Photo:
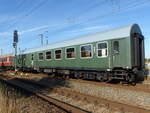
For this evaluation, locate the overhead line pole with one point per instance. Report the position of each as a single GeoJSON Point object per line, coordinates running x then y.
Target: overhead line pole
{"type": "Point", "coordinates": [41, 36]}
{"type": "Point", "coordinates": [46, 37]}
{"type": "Point", "coordinates": [46, 40]}
{"type": "Point", "coordinates": [1, 52]}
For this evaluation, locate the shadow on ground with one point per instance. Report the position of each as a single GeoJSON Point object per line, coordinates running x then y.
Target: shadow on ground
{"type": "Point", "coordinates": [42, 85]}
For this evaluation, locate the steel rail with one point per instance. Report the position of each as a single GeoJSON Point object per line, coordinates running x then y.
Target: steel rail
{"type": "Point", "coordinates": [65, 106]}
{"type": "Point", "coordinates": [109, 103]}
{"type": "Point", "coordinates": [123, 107]}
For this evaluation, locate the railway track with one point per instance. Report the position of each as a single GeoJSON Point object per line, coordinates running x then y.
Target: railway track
{"type": "Point", "coordinates": [90, 99]}
{"type": "Point", "coordinates": [144, 87]}
{"type": "Point", "coordinates": [96, 100]}
{"type": "Point", "coordinates": [139, 87]}
{"type": "Point", "coordinates": [65, 106]}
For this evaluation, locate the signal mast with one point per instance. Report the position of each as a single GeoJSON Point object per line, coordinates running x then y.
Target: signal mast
{"type": "Point", "coordinates": [15, 41]}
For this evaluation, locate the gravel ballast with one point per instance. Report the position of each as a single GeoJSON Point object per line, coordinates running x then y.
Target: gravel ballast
{"type": "Point", "coordinates": [131, 97]}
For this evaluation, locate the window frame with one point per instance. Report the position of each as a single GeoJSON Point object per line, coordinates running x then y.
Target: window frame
{"type": "Point", "coordinates": [38, 56]}
{"type": "Point", "coordinates": [51, 54]}
{"type": "Point", "coordinates": [91, 51]}
{"type": "Point", "coordinates": [99, 49]}
{"type": "Point", "coordinates": [55, 54]}
{"type": "Point", "coordinates": [66, 52]}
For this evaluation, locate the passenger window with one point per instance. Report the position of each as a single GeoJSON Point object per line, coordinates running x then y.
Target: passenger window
{"type": "Point", "coordinates": [41, 57]}
{"type": "Point", "coordinates": [48, 55]}
{"type": "Point", "coordinates": [102, 49]}
{"type": "Point", "coordinates": [116, 47]}
{"type": "Point", "coordinates": [58, 54]}
{"type": "Point", "coordinates": [86, 51]}
{"type": "Point", "coordinates": [70, 52]}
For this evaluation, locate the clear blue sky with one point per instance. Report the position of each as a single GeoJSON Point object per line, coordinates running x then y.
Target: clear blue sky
{"type": "Point", "coordinates": [65, 19]}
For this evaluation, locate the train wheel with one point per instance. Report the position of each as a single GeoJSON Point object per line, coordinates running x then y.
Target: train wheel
{"type": "Point", "coordinates": [132, 80]}
{"type": "Point", "coordinates": [76, 75]}
{"type": "Point", "coordinates": [67, 77]}
{"type": "Point", "coordinates": [100, 78]}
{"type": "Point", "coordinates": [133, 83]}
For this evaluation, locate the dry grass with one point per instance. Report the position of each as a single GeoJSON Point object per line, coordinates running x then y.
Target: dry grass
{"type": "Point", "coordinates": [14, 100]}
{"type": "Point", "coordinates": [8, 100]}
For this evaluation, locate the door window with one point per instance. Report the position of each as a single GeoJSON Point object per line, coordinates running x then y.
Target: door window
{"type": "Point", "coordinates": [41, 57]}
{"type": "Point", "coordinates": [116, 47]}
{"type": "Point", "coordinates": [32, 56]}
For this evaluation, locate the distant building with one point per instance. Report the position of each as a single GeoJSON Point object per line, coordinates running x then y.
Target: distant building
{"type": "Point", "coordinates": [147, 64]}
{"type": "Point", "coordinates": [147, 72]}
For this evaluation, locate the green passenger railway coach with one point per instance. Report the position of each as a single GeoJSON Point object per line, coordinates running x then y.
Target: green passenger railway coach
{"type": "Point", "coordinates": [108, 55]}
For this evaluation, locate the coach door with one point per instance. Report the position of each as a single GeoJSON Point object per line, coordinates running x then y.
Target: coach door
{"type": "Point", "coordinates": [23, 59]}
{"type": "Point", "coordinates": [116, 53]}
{"type": "Point", "coordinates": [32, 60]}
{"type": "Point", "coordinates": [138, 43]}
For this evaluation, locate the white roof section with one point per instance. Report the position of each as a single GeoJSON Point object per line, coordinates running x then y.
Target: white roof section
{"type": "Point", "coordinates": [121, 32]}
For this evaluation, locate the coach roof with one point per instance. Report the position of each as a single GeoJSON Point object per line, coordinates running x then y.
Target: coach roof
{"type": "Point", "coordinates": [121, 32]}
